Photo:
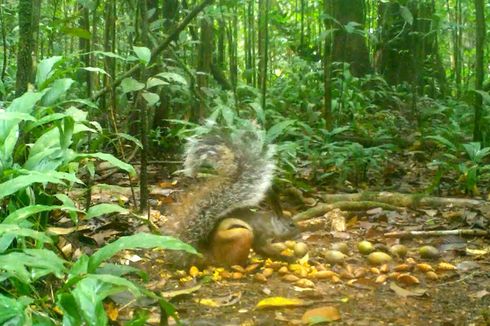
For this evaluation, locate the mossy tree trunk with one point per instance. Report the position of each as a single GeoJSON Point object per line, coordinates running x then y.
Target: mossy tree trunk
{"type": "Point", "coordinates": [24, 52]}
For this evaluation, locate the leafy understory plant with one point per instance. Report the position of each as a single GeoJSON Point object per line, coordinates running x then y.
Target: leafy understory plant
{"type": "Point", "coordinates": [42, 142]}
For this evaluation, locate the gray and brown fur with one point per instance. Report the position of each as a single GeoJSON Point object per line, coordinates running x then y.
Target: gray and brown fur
{"type": "Point", "coordinates": [244, 167]}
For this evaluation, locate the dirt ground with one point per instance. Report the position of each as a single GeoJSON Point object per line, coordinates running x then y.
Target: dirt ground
{"type": "Point", "coordinates": [361, 294]}
{"type": "Point", "coordinates": [451, 287]}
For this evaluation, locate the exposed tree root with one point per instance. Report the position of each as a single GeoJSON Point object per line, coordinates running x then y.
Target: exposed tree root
{"type": "Point", "coordinates": [387, 201]}
{"type": "Point", "coordinates": [423, 234]}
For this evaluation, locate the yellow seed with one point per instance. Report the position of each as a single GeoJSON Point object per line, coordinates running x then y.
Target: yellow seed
{"type": "Point", "coordinates": [290, 278]}
{"type": "Point", "coordinates": [193, 271]}
{"type": "Point", "coordinates": [260, 277]}
{"type": "Point", "coordinates": [403, 268]}
{"type": "Point", "coordinates": [283, 270]}
{"type": "Point", "coordinates": [305, 283]}
{"type": "Point", "coordinates": [325, 274]}
{"type": "Point", "coordinates": [432, 276]}
{"type": "Point", "coordinates": [267, 272]}
{"type": "Point", "coordinates": [238, 268]}
{"type": "Point", "coordinates": [442, 266]}
{"type": "Point", "coordinates": [407, 279]}
{"type": "Point", "coordinates": [424, 267]}
{"type": "Point", "coordinates": [381, 278]}
{"type": "Point", "coordinates": [251, 268]}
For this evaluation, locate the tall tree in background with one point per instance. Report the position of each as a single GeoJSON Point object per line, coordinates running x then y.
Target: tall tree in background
{"type": "Point", "coordinates": [204, 64]}
{"type": "Point", "coordinates": [263, 52]}
{"type": "Point", "coordinates": [408, 45]}
{"type": "Point", "coordinates": [479, 71]}
{"type": "Point", "coordinates": [327, 63]}
{"type": "Point", "coordinates": [84, 44]}
{"type": "Point", "coordinates": [349, 44]}
{"type": "Point", "coordinates": [24, 53]}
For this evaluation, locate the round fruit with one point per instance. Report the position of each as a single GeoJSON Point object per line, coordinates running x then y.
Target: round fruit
{"type": "Point", "coordinates": [365, 247]}
{"type": "Point", "coordinates": [399, 250]}
{"type": "Point", "coordinates": [379, 258]}
{"type": "Point", "coordinates": [428, 252]}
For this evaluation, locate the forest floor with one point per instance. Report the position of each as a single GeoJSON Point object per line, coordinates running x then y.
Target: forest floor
{"type": "Point", "coordinates": [451, 287]}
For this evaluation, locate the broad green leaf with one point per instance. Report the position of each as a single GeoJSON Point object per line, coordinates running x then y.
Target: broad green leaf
{"type": "Point", "coordinates": [121, 270]}
{"type": "Point", "coordinates": [278, 129]}
{"type": "Point", "coordinates": [111, 159]}
{"type": "Point", "coordinates": [102, 209]}
{"type": "Point", "coordinates": [151, 98]}
{"type": "Point", "coordinates": [143, 53]}
{"type": "Point", "coordinates": [17, 231]}
{"type": "Point", "coordinates": [18, 116]}
{"type": "Point", "coordinates": [443, 141]}
{"type": "Point", "coordinates": [484, 95]}
{"type": "Point", "coordinates": [71, 312]}
{"type": "Point", "coordinates": [172, 77]}
{"type": "Point", "coordinates": [22, 104]}
{"type": "Point", "coordinates": [131, 85]}
{"type": "Point", "coordinates": [77, 32]}
{"type": "Point", "coordinates": [88, 103]}
{"type": "Point", "coordinates": [133, 139]}
{"type": "Point", "coordinates": [152, 82]}
{"type": "Point", "coordinates": [137, 241]}
{"type": "Point", "coordinates": [32, 264]}
{"type": "Point", "coordinates": [406, 15]}
{"type": "Point", "coordinates": [110, 55]}
{"type": "Point", "coordinates": [44, 69]}
{"type": "Point", "coordinates": [13, 185]}
{"type": "Point", "coordinates": [24, 212]}
{"type": "Point", "coordinates": [13, 311]}
{"type": "Point", "coordinates": [46, 119]}
{"type": "Point", "coordinates": [97, 70]}
{"type": "Point", "coordinates": [57, 90]}
{"type": "Point", "coordinates": [90, 292]}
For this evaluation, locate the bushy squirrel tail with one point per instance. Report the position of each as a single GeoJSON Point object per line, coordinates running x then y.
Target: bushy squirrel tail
{"type": "Point", "coordinates": [244, 168]}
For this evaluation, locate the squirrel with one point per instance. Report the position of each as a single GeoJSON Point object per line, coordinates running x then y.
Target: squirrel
{"type": "Point", "coordinates": [215, 215]}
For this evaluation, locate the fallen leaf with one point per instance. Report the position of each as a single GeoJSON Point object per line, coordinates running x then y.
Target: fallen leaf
{"type": "Point", "coordinates": [407, 293]}
{"type": "Point", "coordinates": [279, 302]}
{"type": "Point", "coordinates": [320, 315]}
{"type": "Point", "coordinates": [173, 294]}
{"type": "Point", "coordinates": [227, 300]}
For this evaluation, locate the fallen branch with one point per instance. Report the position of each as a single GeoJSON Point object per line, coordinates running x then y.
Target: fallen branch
{"type": "Point", "coordinates": [405, 200]}
{"type": "Point", "coordinates": [321, 209]}
{"type": "Point", "coordinates": [424, 234]}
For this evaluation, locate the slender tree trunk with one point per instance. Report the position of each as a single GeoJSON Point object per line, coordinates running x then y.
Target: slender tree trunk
{"type": "Point", "coordinates": [264, 6]}
{"type": "Point", "coordinates": [4, 45]}
{"type": "Point", "coordinates": [459, 47]}
{"type": "Point", "coordinates": [84, 46]}
{"type": "Point", "coordinates": [24, 53]}
{"type": "Point", "coordinates": [36, 14]}
{"type": "Point", "coordinates": [142, 107]}
{"type": "Point", "coordinates": [109, 101]}
{"type": "Point", "coordinates": [204, 64]}
{"type": "Point", "coordinates": [327, 63]}
{"type": "Point", "coordinates": [479, 72]}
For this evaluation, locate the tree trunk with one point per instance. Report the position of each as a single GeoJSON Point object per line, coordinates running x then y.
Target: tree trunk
{"type": "Point", "coordinates": [142, 108]}
{"type": "Point", "coordinates": [84, 46]}
{"type": "Point", "coordinates": [327, 63]}
{"type": "Point", "coordinates": [348, 46]}
{"type": "Point", "coordinates": [479, 72]}
{"type": "Point", "coordinates": [24, 53]}
{"type": "Point", "coordinates": [204, 65]}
